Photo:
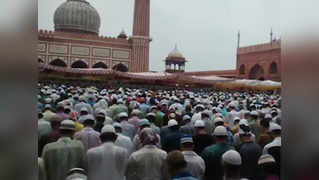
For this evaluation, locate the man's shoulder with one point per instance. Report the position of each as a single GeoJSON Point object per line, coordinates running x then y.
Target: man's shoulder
{"type": "Point", "coordinates": [124, 138]}
{"type": "Point", "coordinates": [210, 148]}
{"type": "Point", "coordinates": [95, 150]}
{"type": "Point", "coordinates": [154, 150]}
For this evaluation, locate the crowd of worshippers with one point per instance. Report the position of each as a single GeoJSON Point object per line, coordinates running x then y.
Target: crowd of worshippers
{"type": "Point", "coordinates": [135, 134]}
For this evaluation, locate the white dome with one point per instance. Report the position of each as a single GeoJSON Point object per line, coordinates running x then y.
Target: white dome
{"type": "Point", "coordinates": [175, 53]}
{"type": "Point", "coordinates": [77, 15]}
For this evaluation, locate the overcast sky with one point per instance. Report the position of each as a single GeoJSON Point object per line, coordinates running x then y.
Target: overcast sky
{"type": "Point", "coordinates": [205, 30]}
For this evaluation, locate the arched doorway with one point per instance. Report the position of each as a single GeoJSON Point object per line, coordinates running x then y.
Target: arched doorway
{"type": "Point", "coordinates": [58, 62]}
{"type": "Point", "coordinates": [120, 67]}
{"type": "Point", "coordinates": [79, 64]}
{"type": "Point", "coordinates": [257, 72]}
{"type": "Point", "coordinates": [242, 69]}
{"type": "Point", "coordinates": [273, 68]}
{"type": "Point", "coordinates": [100, 65]}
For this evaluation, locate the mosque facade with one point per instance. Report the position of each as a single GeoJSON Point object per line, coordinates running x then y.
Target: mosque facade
{"type": "Point", "coordinates": [76, 43]}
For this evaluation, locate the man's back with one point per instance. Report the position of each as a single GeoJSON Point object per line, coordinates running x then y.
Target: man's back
{"type": "Point", "coordinates": [146, 164]}
{"type": "Point", "coordinates": [107, 161]}
{"type": "Point", "coordinates": [188, 129]}
{"type": "Point", "coordinates": [172, 141]}
{"type": "Point", "coordinates": [212, 157]}
{"type": "Point", "coordinates": [124, 142]}
{"type": "Point", "coordinates": [201, 141]}
{"type": "Point", "coordinates": [61, 156]}
{"type": "Point", "coordinates": [89, 138]}
{"type": "Point", "coordinates": [128, 129]}
{"type": "Point", "coordinates": [195, 164]}
{"type": "Point", "coordinates": [250, 153]}
{"type": "Point", "coordinates": [44, 127]}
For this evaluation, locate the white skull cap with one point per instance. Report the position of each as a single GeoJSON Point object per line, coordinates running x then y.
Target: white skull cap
{"type": "Point", "coordinates": [274, 127]}
{"type": "Point", "coordinates": [108, 129]}
{"type": "Point", "coordinates": [67, 125]}
{"type": "Point", "coordinates": [199, 123]}
{"type": "Point", "coordinates": [218, 119]}
{"type": "Point", "coordinates": [220, 131]}
{"type": "Point", "coordinates": [266, 158]}
{"type": "Point", "coordinates": [172, 122]}
{"type": "Point", "coordinates": [232, 157]}
{"type": "Point", "coordinates": [243, 122]}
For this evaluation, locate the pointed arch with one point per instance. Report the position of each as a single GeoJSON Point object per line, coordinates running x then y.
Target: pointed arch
{"type": "Point", "coordinates": [256, 72]}
{"type": "Point", "coordinates": [242, 69]}
{"type": "Point", "coordinates": [100, 65]}
{"type": "Point", "coordinates": [58, 62]}
{"type": "Point", "coordinates": [79, 64]}
{"type": "Point", "coordinates": [273, 68]}
{"type": "Point", "coordinates": [120, 67]}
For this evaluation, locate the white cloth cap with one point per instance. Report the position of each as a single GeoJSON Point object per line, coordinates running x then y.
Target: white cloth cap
{"type": "Point", "coordinates": [186, 117]}
{"type": "Point", "coordinates": [232, 157]}
{"type": "Point", "coordinates": [172, 122]}
{"type": "Point", "coordinates": [199, 123]}
{"type": "Point", "coordinates": [86, 117]}
{"type": "Point", "coordinates": [107, 129]}
{"type": "Point", "coordinates": [199, 105]}
{"type": "Point", "coordinates": [47, 106]}
{"type": "Point", "coordinates": [108, 120]}
{"type": "Point", "coordinates": [236, 118]}
{"type": "Point", "coordinates": [218, 119]}
{"type": "Point", "coordinates": [135, 112]}
{"type": "Point", "coordinates": [67, 125]}
{"type": "Point", "coordinates": [274, 126]}
{"type": "Point", "coordinates": [151, 114]}
{"type": "Point", "coordinates": [101, 111]}
{"type": "Point", "coordinates": [207, 112]}
{"type": "Point", "coordinates": [254, 113]}
{"type": "Point", "coordinates": [268, 116]}
{"type": "Point", "coordinates": [220, 131]}
{"type": "Point", "coordinates": [243, 122]}
{"type": "Point", "coordinates": [266, 158]}
{"type": "Point", "coordinates": [122, 114]}
{"type": "Point", "coordinates": [84, 109]}
{"type": "Point", "coordinates": [116, 124]}
{"type": "Point", "coordinates": [188, 139]}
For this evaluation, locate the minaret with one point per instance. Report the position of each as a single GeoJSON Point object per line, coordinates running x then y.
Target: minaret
{"type": "Point", "coordinates": [140, 38]}
{"type": "Point", "coordinates": [271, 34]}
{"type": "Point", "coordinates": [238, 39]}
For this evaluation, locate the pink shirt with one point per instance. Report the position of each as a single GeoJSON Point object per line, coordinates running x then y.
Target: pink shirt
{"type": "Point", "coordinates": [89, 138]}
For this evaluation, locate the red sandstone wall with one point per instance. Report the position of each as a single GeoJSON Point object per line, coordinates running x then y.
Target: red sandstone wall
{"type": "Point", "coordinates": [262, 58]}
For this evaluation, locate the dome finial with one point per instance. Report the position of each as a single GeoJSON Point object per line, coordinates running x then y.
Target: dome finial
{"type": "Point", "coordinates": [175, 52]}
{"type": "Point", "coordinates": [122, 34]}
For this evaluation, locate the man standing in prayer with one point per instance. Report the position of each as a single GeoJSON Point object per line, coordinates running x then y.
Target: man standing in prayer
{"type": "Point", "coordinates": [107, 161]}
{"type": "Point", "coordinates": [59, 157]}
{"type": "Point", "coordinates": [195, 164]}
{"type": "Point", "coordinates": [148, 162]}
{"type": "Point", "coordinates": [212, 154]}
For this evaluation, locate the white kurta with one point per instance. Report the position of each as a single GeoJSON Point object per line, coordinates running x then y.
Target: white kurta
{"type": "Point", "coordinates": [147, 163]}
{"type": "Point", "coordinates": [124, 142]}
{"type": "Point", "coordinates": [107, 161]}
{"type": "Point", "coordinates": [195, 164]}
